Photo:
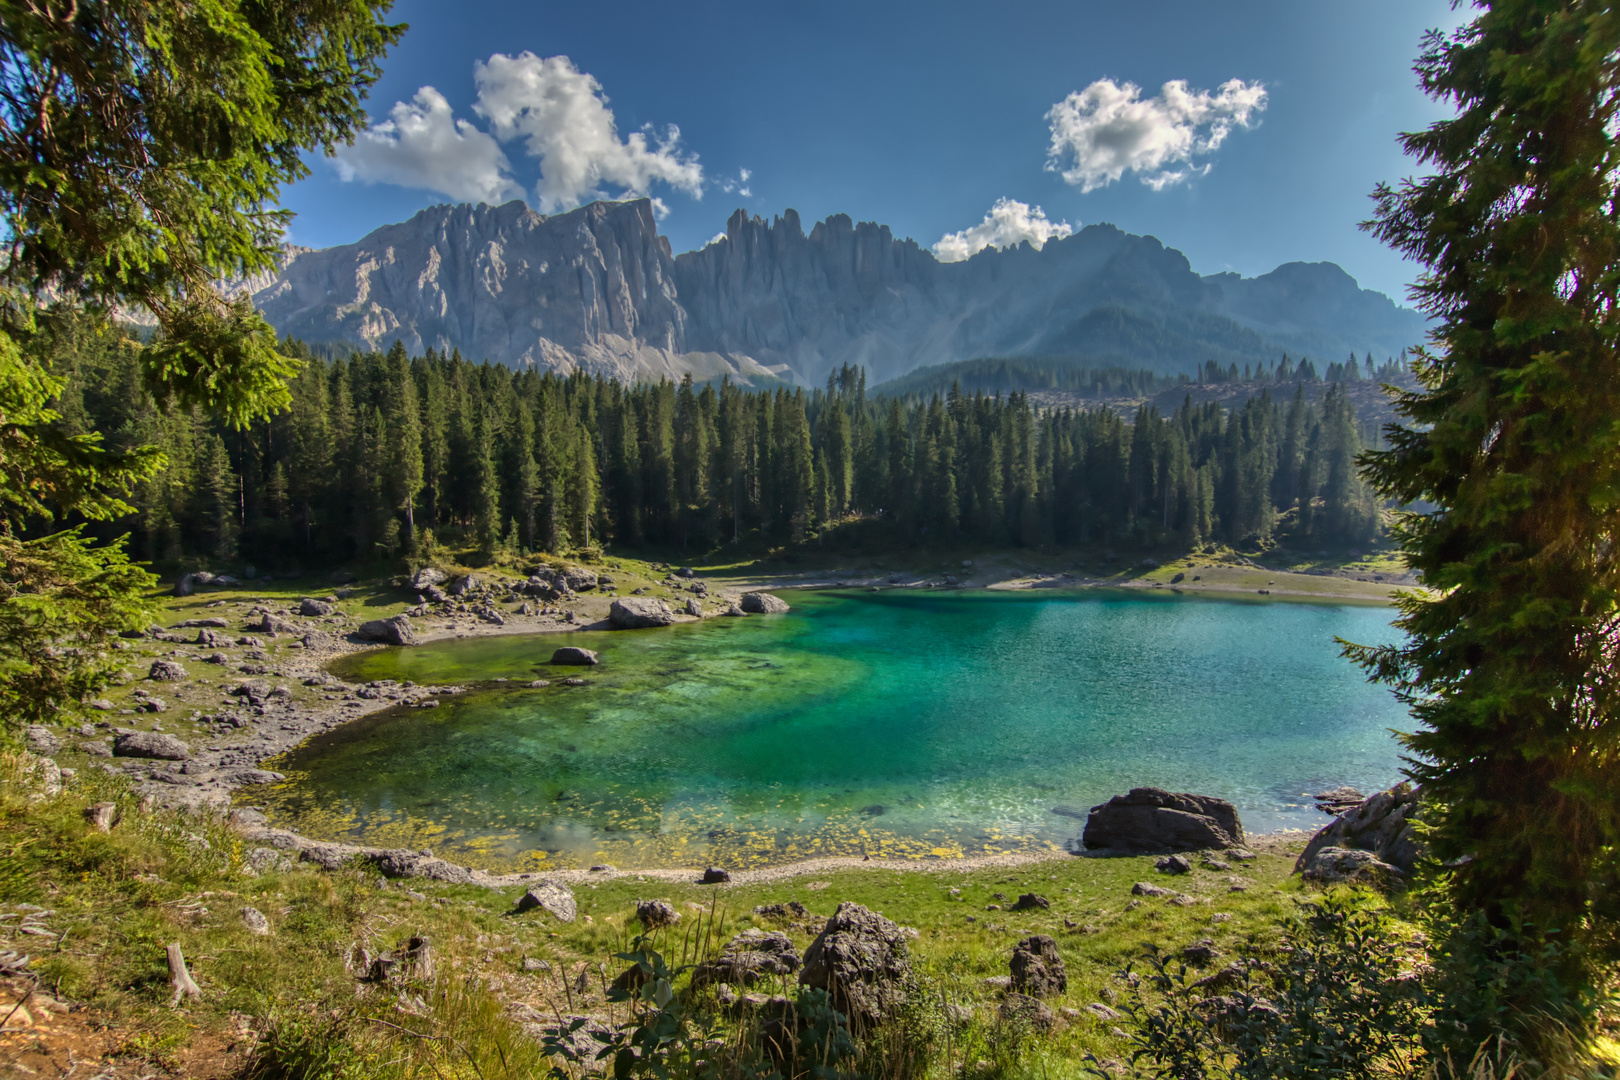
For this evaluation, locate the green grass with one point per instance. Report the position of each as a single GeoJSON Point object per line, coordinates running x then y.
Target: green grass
{"type": "Point", "coordinates": [117, 899]}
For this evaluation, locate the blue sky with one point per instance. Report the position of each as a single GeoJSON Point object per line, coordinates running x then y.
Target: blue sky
{"type": "Point", "coordinates": [917, 115]}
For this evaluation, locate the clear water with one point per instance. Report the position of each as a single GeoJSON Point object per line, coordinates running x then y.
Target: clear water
{"type": "Point", "coordinates": [894, 723]}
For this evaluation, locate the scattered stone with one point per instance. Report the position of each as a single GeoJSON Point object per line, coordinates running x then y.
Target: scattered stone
{"type": "Point", "coordinates": [1037, 969]}
{"type": "Point", "coordinates": [269, 861]}
{"type": "Point", "coordinates": [395, 631]}
{"type": "Point", "coordinates": [531, 964]}
{"type": "Point", "coordinates": [575, 682]}
{"type": "Point", "coordinates": [166, 671]}
{"type": "Point", "coordinates": [1147, 888]}
{"type": "Point", "coordinates": [536, 684]}
{"type": "Point", "coordinates": [426, 576]}
{"type": "Point", "coordinates": [273, 624]}
{"type": "Point", "coordinates": [714, 876]}
{"type": "Point", "coordinates": [1102, 1012]}
{"type": "Point", "coordinates": [1381, 825]}
{"type": "Point", "coordinates": [214, 623]}
{"type": "Point", "coordinates": [256, 923]}
{"type": "Point", "coordinates": [1201, 953]}
{"type": "Point", "coordinates": [1174, 865]}
{"type": "Point", "coordinates": [1152, 820]}
{"type": "Point", "coordinates": [1020, 1009]}
{"type": "Point", "coordinates": [694, 608]}
{"type": "Point", "coordinates": [150, 744]}
{"type": "Point", "coordinates": [639, 613]}
{"type": "Point", "coordinates": [314, 609]}
{"type": "Point", "coordinates": [790, 910]}
{"type": "Point", "coordinates": [1031, 902]}
{"type": "Point", "coordinates": [573, 654]}
{"type": "Point", "coordinates": [552, 897]}
{"type": "Point", "coordinates": [748, 956]}
{"type": "Point", "coordinates": [655, 914]}
{"type": "Point", "coordinates": [41, 740]}
{"type": "Point", "coordinates": [860, 959]}
{"type": "Point", "coordinates": [759, 603]}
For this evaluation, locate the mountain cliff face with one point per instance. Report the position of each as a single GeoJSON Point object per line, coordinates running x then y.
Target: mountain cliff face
{"type": "Point", "coordinates": [598, 289]}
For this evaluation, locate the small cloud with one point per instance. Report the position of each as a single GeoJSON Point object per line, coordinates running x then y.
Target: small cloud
{"type": "Point", "coordinates": [1008, 224]}
{"type": "Point", "coordinates": [1108, 129]}
{"type": "Point", "coordinates": [715, 239]}
{"type": "Point", "coordinates": [739, 185]}
{"type": "Point", "coordinates": [422, 145]}
{"type": "Point", "coordinates": [563, 118]}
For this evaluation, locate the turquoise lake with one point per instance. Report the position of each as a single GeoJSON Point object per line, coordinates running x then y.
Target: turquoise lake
{"type": "Point", "coordinates": [896, 723]}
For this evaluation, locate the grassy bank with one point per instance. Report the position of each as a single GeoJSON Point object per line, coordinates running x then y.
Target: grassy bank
{"type": "Point", "coordinates": [112, 901]}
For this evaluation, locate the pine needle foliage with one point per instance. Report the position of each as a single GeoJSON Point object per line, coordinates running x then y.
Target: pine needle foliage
{"type": "Point", "coordinates": [1513, 436]}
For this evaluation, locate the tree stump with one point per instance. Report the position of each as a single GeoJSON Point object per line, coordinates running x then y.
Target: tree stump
{"type": "Point", "coordinates": [101, 816]}
{"type": "Point", "coordinates": [180, 978]}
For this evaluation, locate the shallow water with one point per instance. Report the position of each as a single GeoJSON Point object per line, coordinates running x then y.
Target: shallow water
{"type": "Point", "coordinates": [895, 723]}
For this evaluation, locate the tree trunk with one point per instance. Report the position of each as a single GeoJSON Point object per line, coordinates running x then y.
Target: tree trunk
{"type": "Point", "coordinates": [180, 978]}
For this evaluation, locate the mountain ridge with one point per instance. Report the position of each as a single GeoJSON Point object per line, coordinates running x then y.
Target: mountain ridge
{"type": "Point", "coordinates": [598, 289]}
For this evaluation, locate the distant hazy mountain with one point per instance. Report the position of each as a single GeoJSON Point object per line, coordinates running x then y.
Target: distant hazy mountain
{"type": "Point", "coordinates": [598, 289]}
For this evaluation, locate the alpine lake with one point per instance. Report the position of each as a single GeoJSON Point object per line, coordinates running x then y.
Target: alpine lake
{"type": "Point", "coordinates": [899, 724]}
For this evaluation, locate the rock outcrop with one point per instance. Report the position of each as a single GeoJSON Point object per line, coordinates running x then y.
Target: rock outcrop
{"type": "Point", "coordinates": [1381, 826]}
{"type": "Point", "coordinates": [763, 603]}
{"type": "Point", "coordinates": [860, 959]}
{"type": "Point", "coordinates": [1150, 820]}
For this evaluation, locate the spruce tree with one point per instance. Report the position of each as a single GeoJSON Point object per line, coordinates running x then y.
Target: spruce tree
{"type": "Point", "coordinates": [1509, 657]}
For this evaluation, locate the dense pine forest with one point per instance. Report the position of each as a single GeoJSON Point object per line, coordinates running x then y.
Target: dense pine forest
{"type": "Point", "coordinates": [380, 454]}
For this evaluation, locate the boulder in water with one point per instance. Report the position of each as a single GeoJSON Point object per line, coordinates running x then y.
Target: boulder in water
{"type": "Point", "coordinates": [574, 655]}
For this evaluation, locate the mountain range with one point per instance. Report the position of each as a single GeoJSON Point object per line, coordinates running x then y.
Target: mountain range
{"type": "Point", "coordinates": [599, 289]}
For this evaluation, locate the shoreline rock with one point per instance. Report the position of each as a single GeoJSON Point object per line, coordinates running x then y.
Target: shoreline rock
{"type": "Point", "coordinates": [1149, 821]}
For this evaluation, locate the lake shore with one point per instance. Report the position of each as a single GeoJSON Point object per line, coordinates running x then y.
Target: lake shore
{"type": "Point", "coordinates": [296, 699]}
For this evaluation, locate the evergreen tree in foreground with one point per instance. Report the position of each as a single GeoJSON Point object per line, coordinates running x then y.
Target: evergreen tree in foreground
{"type": "Point", "coordinates": [1510, 665]}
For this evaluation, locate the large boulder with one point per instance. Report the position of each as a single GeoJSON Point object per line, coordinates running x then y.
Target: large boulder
{"type": "Point", "coordinates": [1337, 866]}
{"type": "Point", "coordinates": [150, 744]}
{"type": "Point", "coordinates": [274, 624]}
{"type": "Point", "coordinates": [41, 740]}
{"type": "Point", "coordinates": [1149, 820]}
{"type": "Point", "coordinates": [577, 578]}
{"type": "Point", "coordinates": [748, 956]}
{"type": "Point", "coordinates": [763, 603]}
{"type": "Point", "coordinates": [639, 612]}
{"type": "Point", "coordinates": [574, 655]}
{"type": "Point", "coordinates": [314, 608]}
{"type": "Point", "coordinates": [395, 631]}
{"type": "Point", "coordinates": [1037, 969]}
{"type": "Point", "coordinates": [428, 575]}
{"type": "Point", "coordinates": [1381, 825]}
{"type": "Point", "coordinates": [166, 671]}
{"type": "Point", "coordinates": [860, 959]}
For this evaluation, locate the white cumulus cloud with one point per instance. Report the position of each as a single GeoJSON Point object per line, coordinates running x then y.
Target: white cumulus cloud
{"type": "Point", "coordinates": [1108, 129]}
{"type": "Point", "coordinates": [1008, 223]}
{"type": "Point", "coordinates": [563, 118]}
{"type": "Point", "coordinates": [422, 145]}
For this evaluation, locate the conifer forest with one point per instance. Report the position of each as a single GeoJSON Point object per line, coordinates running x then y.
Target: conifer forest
{"type": "Point", "coordinates": [381, 452]}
